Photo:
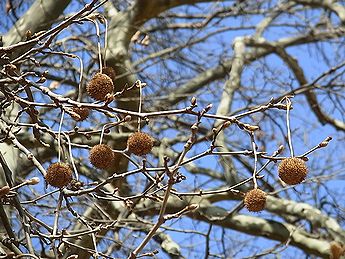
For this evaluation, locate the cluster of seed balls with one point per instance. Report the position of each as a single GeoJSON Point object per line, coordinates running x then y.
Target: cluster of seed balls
{"type": "Point", "coordinates": [139, 143]}
{"type": "Point", "coordinates": [291, 171]}
{"type": "Point", "coordinates": [101, 156]}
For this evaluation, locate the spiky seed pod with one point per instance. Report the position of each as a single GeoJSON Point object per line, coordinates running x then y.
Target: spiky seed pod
{"type": "Point", "coordinates": [82, 112]}
{"type": "Point", "coordinates": [4, 190]}
{"type": "Point", "coordinates": [140, 143]}
{"type": "Point", "coordinates": [59, 174]}
{"type": "Point", "coordinates": [337, 250]}
{"type": "Point", "coordinates": [109, 71]}
{"type": "Point", "coordinates": [292, 170]}
{"type": "Point", "coordinates": [255, 200]}
{"type": "Point", "coordinates": [99, 86]}
{"type": "Point", "coordinates": [101, 156]}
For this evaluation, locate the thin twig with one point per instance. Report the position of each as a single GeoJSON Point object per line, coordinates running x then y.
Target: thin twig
{"type": "Point", "coordinates": [56, 222]}
{"type": "Point", "coordinates": [288, 107]}
{"type": "Point", "coordinates": [59, 136]}
{"type": "Point", "coordinates": [255, 159]}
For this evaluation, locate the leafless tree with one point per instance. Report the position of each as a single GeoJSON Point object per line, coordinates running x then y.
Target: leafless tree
{"type": "Point", "coordinates": [226, 92]}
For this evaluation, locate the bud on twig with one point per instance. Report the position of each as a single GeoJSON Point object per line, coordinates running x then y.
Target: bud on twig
{"type": "Point", "coordinates": [226, 124]}
{"type": "Point", "coordinates": [41, 80]}
{"type": "Point", "coordinates": [325, 142]}
{"type": "Point", "coordinates": [280, 149]}
{"type": "Point", "coordinates": [45, 73]}
{"type": "Point", "coordinates": [101, 19]}
{"type": "Point", "coordinates": [30, 156]}
{"type": "Point", "coordinates": [192, 206]}
{"type": "Point", "coordinates": [193, 101]}
{"type": "Point", "coordinates": [146, 40]}
{"type": "Point", "coordinates": [208, 107]}
{"type": "Point", "coordinates": [33, 181]}
{"type": "Point", "coordinates": [109, 98]}
{"type": "Point", "coordinates": [28, 35]}
{"type": "Point", "coordinates": [194, 127]}
{"type": "Point", "coordinates": [135, 37]}
{"type": "Point", "coordinates": [250, 127]}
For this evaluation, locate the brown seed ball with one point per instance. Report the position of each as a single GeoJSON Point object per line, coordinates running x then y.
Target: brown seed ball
{"type": "Point", "coordinates": [255, 200]}
{"type": "Point", "coordinates": [337, 250]}
{"type": "Point", "coordinates": [109, 71]}
{"type": "Point", "coordinates": [4, 190]}
{"type": "Point", "coordinates": [292, 170]}
{"type": "Point", "coordinates": [101, 156]}
{"type": "Point", "coordinates": [82, 112]}
{"type": "Point", "coordinates": [59, 174]}
{"type": "Point", "coordinates": [99, 86]}
{"type": "Point", "coordinates": [140, 143]}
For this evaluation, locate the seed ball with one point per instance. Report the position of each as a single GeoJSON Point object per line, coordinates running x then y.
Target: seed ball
{"type": "Point", "coordinates": [99, 86]}
{"type": "Point", "coordinates": [101, 156]}
{"type": "Point", "coordinates": [292, 170]}
{"type": "Point", "coordinates": [59, 174]}
{"type": "Point", "coordinates": [4, 190]}
{"type": "Point", "coordinates": [109, 71]}
{"type": "Point", "coordinates": [82, 112]}
{"type": "Point", "coordinates": [337, 250]}
{"type": "Point", "coordinates": [255, 200]}
{"type": "Point", "coordinates": [140, 143]}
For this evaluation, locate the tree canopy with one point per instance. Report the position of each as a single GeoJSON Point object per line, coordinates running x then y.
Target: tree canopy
{"type": "Point", "coordinates": [172, 129]}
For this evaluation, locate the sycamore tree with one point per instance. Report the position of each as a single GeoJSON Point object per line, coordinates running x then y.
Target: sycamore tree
{"type": "Point", "coordinates": [172, 129]}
